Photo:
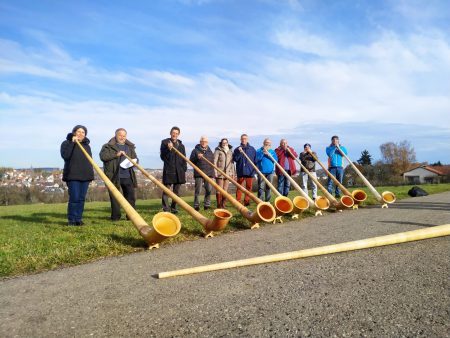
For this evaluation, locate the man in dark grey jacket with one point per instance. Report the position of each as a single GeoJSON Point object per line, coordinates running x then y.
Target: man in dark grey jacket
{"type": "Point", "coordinates": [202, 150]}
{"type": "Point", "coordinates": [174, 170]}
{"type": "Point", "coordinates": [118, 170]}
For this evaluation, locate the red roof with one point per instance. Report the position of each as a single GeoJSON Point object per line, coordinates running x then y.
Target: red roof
{"type": "Point", "coordinates": [441, 170]}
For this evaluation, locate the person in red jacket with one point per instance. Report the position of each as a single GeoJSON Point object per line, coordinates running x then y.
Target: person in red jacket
{"type": "Point", "coordinates": [288, 163]}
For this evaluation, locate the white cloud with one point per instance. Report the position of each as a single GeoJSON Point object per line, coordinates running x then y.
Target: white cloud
{"type": "Point", "coordinates": [382, 81]}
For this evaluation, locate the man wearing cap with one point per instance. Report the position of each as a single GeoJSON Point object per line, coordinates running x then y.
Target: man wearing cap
{"type": "Point", "coordinates": [307, 157]}
{"type": "Point", "coordinates": [119, 170]}
{"type": "Point", "coordinates": [334, 152]}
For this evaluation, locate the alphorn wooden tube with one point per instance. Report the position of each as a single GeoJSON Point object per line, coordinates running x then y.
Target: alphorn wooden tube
{"type": "Point", "coordinates": [164, 223]}
{"type": "Point", "coordinates": [402, 237]}
{"type": "Point", "coordinates": [345, 201]}
{"type": "Point", "coordinates": [283, 205]}
{"type": "Point", "coordinates": [386, 197]}
{"type": "Point", "coordinates": [232, 180]}
{"type": "Point", "coordinates": [321, 202]}
{"type": "Point", "coordinates": [358, 195]}
{"type": "Point", "coordinates": [221, 216]}
{"type": "Point", "coordinates": [264, 211]}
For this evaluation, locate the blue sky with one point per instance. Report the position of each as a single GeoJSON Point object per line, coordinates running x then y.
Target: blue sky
{"type": "Point", "coordinates": [369, 71]}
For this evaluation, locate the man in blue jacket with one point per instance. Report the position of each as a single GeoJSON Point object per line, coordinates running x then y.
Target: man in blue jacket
{"type": "Point", "coordinates": [267, 168]}
{"type": "Point", "coordinates": [244, 170]}
{"type": "Point", "coordinates": [334, 152]}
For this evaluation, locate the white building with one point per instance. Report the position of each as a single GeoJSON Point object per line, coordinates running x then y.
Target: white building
{"type": "Point", "coordinates": [426, 174]}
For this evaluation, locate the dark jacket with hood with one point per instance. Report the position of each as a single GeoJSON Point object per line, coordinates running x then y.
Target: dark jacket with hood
{"type": "Point", "coordinates": [174, 170]}
{"type": "Point", "coordinates": [243, 168]}
{"type": "Point", "coordinates": [76, 165]}
{"type": "Point", "coordinates": [201, 164]}
{"type": "Point", "coordinates": [111, 163]}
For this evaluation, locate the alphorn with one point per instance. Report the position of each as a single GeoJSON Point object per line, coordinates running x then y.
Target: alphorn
{"type": "Point", "coordinates": [402, 237]}
{"type": "Point", "coordinates": [283, 205]}
{"type": "Point", "coordinates": [358, 195]}
{"type": "Point", "coordinates": [221, 216]}
{"type": "Point", "coordinates": [164, 224]}
{"type": "Point", "coordinates": [321, 203]}
{"type": "Point", "coordinates": [232, 180]}
{"type": "Point", "coordinates": [238, 186]}
{"type": "Point", "coordinates": [264, 211]}
{"type": "Point", "coordinates": [385, 198]}
{"type": "Point", "coordinates": [345, 201]}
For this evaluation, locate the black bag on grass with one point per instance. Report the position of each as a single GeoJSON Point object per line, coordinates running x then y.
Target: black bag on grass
{"type": "Point", "coordinates": [417, 192]}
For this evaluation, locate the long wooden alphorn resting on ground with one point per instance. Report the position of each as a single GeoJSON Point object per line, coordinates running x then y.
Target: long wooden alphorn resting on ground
{"type": "Point", "coordinates": [164, 223]}
{"type": "Point", "coordinates": [345, 201]}
{"type": "Point", "coordinates": [358, 195]}
{"type": "Point", "coordinates": [264, 211]}
{"type": "Point", "coordinates": [221, 216]}
{"type": "Point", "coordinates": [321, 202]}
{"type": "Point", "coordinates": [386, 197]}
{"type": "Point", "coordinates": [402, 237]}
{"type": "Point", "coordinates": [283, 205]}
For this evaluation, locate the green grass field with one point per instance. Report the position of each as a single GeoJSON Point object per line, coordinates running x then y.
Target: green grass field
{"type": "Point", "coordinates": [33, 237]}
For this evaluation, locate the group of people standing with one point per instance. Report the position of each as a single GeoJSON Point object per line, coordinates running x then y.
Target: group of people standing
{"type": "Point", "coordinates": [78, 171]}
{"type": "Point", "coordinates": [235, 163]}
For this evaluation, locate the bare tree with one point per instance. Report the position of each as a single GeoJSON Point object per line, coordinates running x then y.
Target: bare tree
{"type": "Point", "coordinates": [399, 155]}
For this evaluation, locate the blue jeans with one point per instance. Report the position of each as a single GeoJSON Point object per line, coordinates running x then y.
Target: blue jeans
{"type": "Point", "coordinates": [337, 172]}
{"type": "Point", "coordinates": [284, 184]}
{"type": "Point", "coordinates": [264, 188]}
{"type": "Point", "coordinates": [77, 196]}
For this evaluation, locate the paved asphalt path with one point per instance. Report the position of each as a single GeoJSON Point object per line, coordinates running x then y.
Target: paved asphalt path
{"type": "Point", "coordinates": [395, 291]}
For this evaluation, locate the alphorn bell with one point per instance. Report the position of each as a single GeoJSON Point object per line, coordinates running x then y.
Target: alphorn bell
{"type": "Point", "coordinates": [164, 224]}
{"type": "Point", "coordinates": [345, 201]}
{"type": "Point", "coordinates": [238, 186]}
{"type": "Point", "coordinates": [358, 195]}
{"type": "Point", "coordinates": [385, 198]}
{"type": "Point", "coordinates": [264, 211]}
{"type": "Point", "coordinates": [283, 205]}
{"type": "Point", "coordinates": [402, 237]}
{"type": "Point", "coordinates": [321, 203]}
{"type": "Point", "coordinates": [221, 216]}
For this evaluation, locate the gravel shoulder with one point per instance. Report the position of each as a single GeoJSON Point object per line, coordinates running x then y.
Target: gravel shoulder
{"type": "Point", "coordinates": [395, 291]}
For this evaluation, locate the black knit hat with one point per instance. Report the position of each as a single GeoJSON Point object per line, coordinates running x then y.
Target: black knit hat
{"type": "Point", "coordinates": [78, 126]}
{"type": "Point", "coordinates": [307, 144]}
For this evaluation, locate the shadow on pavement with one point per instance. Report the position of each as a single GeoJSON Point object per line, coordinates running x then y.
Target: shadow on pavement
{"type": "Point", "coordinates": [410, 223]}
{"type": "Point", "coordinates": [422, 205]}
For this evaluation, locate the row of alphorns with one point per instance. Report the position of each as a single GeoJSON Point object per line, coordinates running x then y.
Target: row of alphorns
{"type": "Point", "coordinates": [167, 225]}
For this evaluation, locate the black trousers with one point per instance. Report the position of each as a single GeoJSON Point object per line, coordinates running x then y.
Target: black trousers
{"type": "Point", "coordinates": [126, 184]}
{"type": "Point", "coordinates": [165, 197]}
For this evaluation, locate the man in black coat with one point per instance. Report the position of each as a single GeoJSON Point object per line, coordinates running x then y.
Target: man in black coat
{"type": "Point", "coordinates": [202, 150]}
{"type": "Point", "coordinates": [119, 170]}
{"type": "Point", "coordinates": [174, 170]}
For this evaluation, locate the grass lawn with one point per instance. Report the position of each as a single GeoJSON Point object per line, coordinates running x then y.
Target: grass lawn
{"type": "Point", "coordinates": [33, 237]}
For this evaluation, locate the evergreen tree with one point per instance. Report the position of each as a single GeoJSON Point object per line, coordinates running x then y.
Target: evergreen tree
{"type": "Point", "coordinates": [366, 158]}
